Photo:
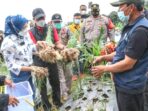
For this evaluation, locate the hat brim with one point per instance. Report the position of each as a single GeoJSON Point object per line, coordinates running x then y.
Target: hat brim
{"type": "Point", "coordinates": [39, 16]}
{"type": "Point", "coordinates": [117, 4]}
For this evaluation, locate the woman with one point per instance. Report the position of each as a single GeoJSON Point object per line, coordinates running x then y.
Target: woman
{"type": "Point", "coordinates": [17, 49]}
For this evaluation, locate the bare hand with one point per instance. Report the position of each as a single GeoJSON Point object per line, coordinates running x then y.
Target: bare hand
{"type": "Point", "coordinates": [98, 59]}
{"type": "Point", "coordinates": [97, 71]}
{"type": "Point", "coordinates": [13, 101]}
{"type": "Point", "coordinates": [42, 45]}
{"type": "Point", "coordinates": [9, 82]}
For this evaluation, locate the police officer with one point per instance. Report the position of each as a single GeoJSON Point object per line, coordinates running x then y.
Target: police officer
{"type": "Point", "coordinates": [91, 27]}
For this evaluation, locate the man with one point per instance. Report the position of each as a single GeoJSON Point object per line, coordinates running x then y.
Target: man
{"type": "Point", "coordinates": [5, 99]}
{"type": "Point", "coordinates": [65, 72]}
{"type": "Point", "coordinates": [75, 36]}
{"type": "Point", "coordinates": [39, 33]}
{"type": "Point", "coordinates": [130, 61]}
{"type": "Point", "coordinates": [90, 31]}
{"type": "Point", "coordinates": [146, 87]}
{"type": "Point", "coordinates": [63, 32]}
{"type": "Point", "coordinates": [83, 12]}
{"type": "Point", "coordinates": [75, 26]}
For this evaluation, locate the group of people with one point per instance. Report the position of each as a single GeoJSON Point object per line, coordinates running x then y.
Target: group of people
{"type": "Point", "coordinates": [129, 60]}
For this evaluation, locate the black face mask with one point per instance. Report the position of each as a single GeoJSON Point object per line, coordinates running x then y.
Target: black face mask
{"type": "Point", "coordinates": [95, 13]}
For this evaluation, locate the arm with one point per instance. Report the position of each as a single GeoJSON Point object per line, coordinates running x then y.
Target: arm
{"type": "Point", "coordinates": [4, 100]}
{"type": "Point", "coordinates": [108, 57]}
{"type": "Point", "coordinates": [82, 31]}
{"type": "Point", "coordinates": [111, 30]}
{"type": "Point", "coordinates": [26, 68]}
{"type": "Point", "coordinates": [59, 45]}
{"type": "Point", "coordinates": [133, 53]}
{"type": "Point", "coordinates": [12, 66]}
{"type": "Point", "coordinates": [57, 41]}
{"type": "Point", "coordinates": [2, 80]}
{"type": "Point", "coordinates": [124, 65]}
{"type": "Point", "coordinates": [9, 52]}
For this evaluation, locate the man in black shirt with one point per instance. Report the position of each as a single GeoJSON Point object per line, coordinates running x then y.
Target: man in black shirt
{"type": "Point", "coordinates": [130, 60]}
{"type": "Point", "coordinates": [146, 87]}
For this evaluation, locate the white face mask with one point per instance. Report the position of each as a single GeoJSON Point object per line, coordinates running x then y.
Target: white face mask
{"type": "Point", "coordinates": [23, 32]}
{"type": "Point", "coordinates": [41, 23]}
{"type": "Point", "coordinates": [77, 21]}
{"type": "Point", "coordinates": [83, 12]}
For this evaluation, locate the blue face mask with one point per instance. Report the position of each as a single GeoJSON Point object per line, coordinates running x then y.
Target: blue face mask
{"type": "Point", "coordinates": [123, 17]}
{"type": "Point", "coordinates": [58, 25]}
{"type": "Point", "coordinates": [77, 21]}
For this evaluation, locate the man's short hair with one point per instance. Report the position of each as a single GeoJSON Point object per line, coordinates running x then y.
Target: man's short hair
{"type": "Point", "coordinates": [38, 13]}
{"type": "Point", "coordinates": [77, 14]}
{"type": "Point", "coordinates": [83, 7]}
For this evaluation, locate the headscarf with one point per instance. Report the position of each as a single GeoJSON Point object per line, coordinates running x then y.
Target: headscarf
{"type": "Point", "coordinates": [14, 24]}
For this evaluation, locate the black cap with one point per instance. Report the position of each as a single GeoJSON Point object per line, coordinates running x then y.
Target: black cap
{"type": "Point", "coordinates": [38, 13]}
{"type": "Point", "coordinates": [56, 17]}
{"type": "Point", "coordinates": [95, 7]}
{"type": "Point", "coordinates": [120, 2]}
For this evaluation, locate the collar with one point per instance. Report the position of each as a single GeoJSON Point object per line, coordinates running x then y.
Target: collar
{"type": "Point", "coordinates": [137, 20]}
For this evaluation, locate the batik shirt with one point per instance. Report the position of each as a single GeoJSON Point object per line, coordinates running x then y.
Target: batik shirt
{"type": "Point", "coordinates": [17, 55]}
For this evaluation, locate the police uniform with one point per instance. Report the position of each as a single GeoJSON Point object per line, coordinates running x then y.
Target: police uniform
{"type": "Point", "coordinates": [90, 30]}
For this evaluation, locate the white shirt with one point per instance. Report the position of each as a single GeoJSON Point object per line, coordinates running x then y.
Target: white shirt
{"type": "Point", "coordinates": [17, 55]}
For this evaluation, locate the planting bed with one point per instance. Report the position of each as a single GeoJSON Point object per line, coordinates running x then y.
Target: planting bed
{"type": "Point", "coordinates": [95, 95]}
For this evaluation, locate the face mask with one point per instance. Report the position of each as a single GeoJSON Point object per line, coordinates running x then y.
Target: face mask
{"type": "Point", "coordinates": [95, 13]}
{"type": "Point", "coordinates": [123, 17]}
{"type": "Point", "coordinates": [23, 32]}
{"type": "Point", "coordinates": [77, 21]}
{"type": "Point", "coordinates": [40, 23]}
{"type": "Point", "coordinates": [58, 25]}
{"type": "Point", "coordinates": [83, 12]}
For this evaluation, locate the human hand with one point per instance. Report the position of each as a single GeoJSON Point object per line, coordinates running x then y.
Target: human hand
{"type": "Point", "coordinates": [8, 82]}
{"type": "Point", "coordinates": [97, 71]}
{"type": "Point", "coordinates": [98, 59]}
{"type": "Point", "coordinates": [13, 101]}
{"type": "Point", "coordinates": [42, 45]}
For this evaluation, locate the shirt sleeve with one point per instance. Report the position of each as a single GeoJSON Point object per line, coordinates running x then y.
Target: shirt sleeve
{"type": "Point", "coordinates": [4, 99]}
{"type": "Point", "coordinates": [138, 43]}
{"type": "Point", "coordinates": [2, 80]}
{"type": "Point", "coordinates": [55, 35]}
{"type": "Point", "coordinates": [8, 51]}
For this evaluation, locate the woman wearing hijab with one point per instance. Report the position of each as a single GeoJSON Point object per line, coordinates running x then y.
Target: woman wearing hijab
{"type": "Point", "coordinates": [17, 49]}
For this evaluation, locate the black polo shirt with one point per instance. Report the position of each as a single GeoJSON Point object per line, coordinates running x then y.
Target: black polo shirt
{"type": "Point", "coordinates": [138, 43]}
